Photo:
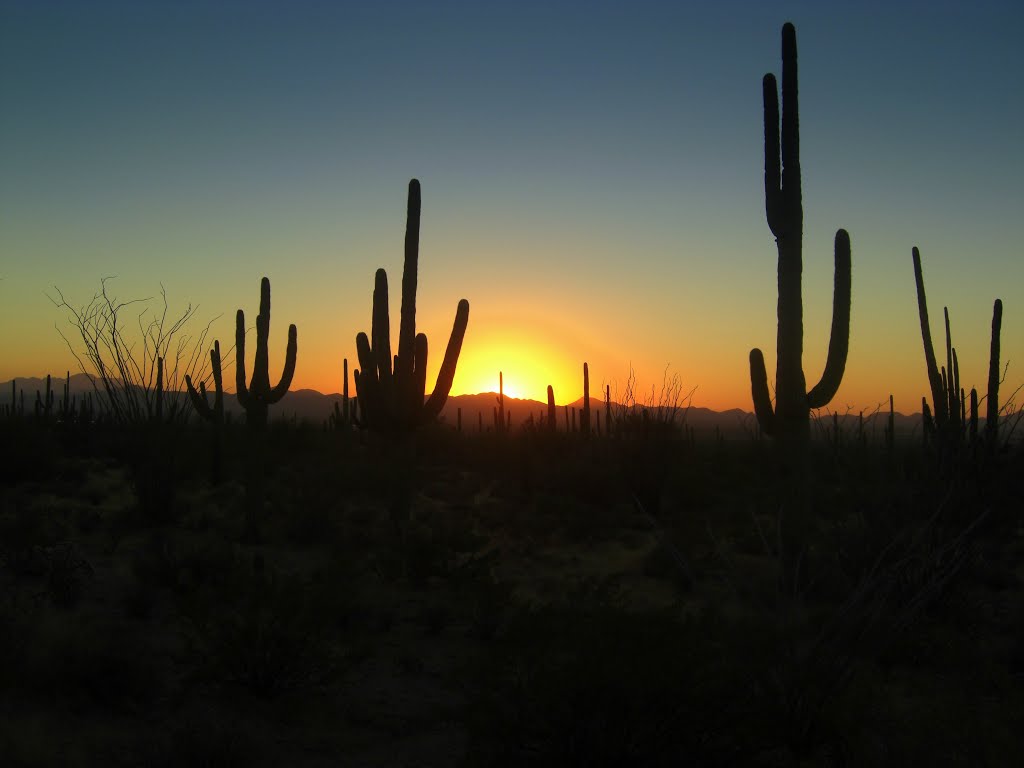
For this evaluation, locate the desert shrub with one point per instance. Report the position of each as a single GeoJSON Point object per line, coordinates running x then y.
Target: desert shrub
{"type": "Point", "coordinates": [67, 575]}
{"type": "Point", "coordinates": [601, 687]}
{"type": "Point", "coordinates": [260, 630]}
{"type": "Point", "coordinates": [179, 563]}
{"type": "Point", "coordinates": [204, 737]}
{"type": "Point", "coordinates": [90, 665]}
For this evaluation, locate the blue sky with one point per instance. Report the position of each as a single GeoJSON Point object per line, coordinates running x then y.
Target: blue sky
{"type": "Point", "coordinates": [592, 177]}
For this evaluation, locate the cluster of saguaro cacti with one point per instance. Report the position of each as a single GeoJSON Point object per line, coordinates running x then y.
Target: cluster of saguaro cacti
{"type": "Point", "coordinates": [391, 390]}
{"type": "Point", "coordinates": [14, 409]}
{"type": "Point", "coordinates": [258, 395]}
{"type": "Point", "coordinates": [46, 409]}
{"type": "Point", "coordinates": [789, 419]}
{"type": "Point", "coordinates": [947, 420]}
{"type": "Point", "coordinates": [213, 413]}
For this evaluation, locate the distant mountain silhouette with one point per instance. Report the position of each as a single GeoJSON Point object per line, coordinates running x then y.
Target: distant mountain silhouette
{"type": "Point", "coordinates": [314, 407]}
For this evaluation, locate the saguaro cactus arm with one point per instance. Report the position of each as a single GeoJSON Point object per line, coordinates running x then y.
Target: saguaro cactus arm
{"type": "Point", "coordinates": [410, 274]}
{"type": "Point", "coordinates": [992, 412]}
{"type": "Point", "coordinates": [839, 340]}
{"type": "Point", "coordinates": [759, 391]}
{"type": "Point", "coordinates": [934, 378]}
{"type": "Point", "coordinates": [291, 353]}
{"type": "Point", "coordinates": [446, 375]}
{"type": "Point", "coordinates": [241, 387]}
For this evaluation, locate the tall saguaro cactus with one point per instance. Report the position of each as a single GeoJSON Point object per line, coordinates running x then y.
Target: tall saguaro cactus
{"type": "Point", "coordinates": [258, 396]}
{"type": "Point", "coordinates": [790, 417]}
{"type": "Point", "coordinates": [392, 398]}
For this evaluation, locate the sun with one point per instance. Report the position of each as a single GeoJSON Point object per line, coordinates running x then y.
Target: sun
{"type": "Point", "coordinates": [527, 365]}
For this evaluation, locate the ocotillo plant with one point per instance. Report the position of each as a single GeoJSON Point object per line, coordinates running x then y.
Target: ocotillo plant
{"type": "Point", "coordinates": [790, 418]}
{"type": "Point", "coordinates": [948, 398]}
{"type": "Point", "coordinates": [258, 396]}
{"type": "Point", "coordinates": [392, 399]}
{"type": "Point", "coordinates": [585, 411]}
{"type": "Point", "coordinates": [214, 413]}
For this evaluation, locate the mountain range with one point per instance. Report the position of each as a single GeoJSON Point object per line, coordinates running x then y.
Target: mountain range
{"type": "Point", "coordinates": [315, 407]}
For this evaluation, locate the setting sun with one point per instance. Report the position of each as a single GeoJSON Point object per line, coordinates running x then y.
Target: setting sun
{"type": "Point", "coordinates": [528, 365]}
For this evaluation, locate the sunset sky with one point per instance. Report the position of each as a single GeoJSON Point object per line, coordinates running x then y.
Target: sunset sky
{"type": "Point", "coordinates": [592, 180]}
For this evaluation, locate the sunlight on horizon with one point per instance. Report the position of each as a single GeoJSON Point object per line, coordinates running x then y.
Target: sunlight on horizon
{"type": "Point", "coordinates": [527, 364]}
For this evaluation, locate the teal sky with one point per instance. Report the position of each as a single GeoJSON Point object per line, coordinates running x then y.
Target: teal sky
{"type": "Point", "coordinates": [592, 178]}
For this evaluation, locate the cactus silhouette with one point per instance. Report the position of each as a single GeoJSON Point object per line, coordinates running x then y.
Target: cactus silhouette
{"type": "Point", "coordinates": [44, 403]}
{"type": "Point", "coordinates": [992, 415]}
{"type": "Point", "coordinates": [499, 409]}
{"type": "Point", "coordinates": [258, 396]}
{"type": "Point", "coordinates": [585, 411]}
{"type": "Point", "coordinates": [790, 417]}
{"type": "Point", "coordinates": [890, 426]}
{"type": "Point", "coordinates": [551, 420]}
{"type": "Point", "coordinates": [949, 401]}
{"type": "Point", "coordinates": [391, 399]}
{"type": "Point", "coordinates": [214, 413]}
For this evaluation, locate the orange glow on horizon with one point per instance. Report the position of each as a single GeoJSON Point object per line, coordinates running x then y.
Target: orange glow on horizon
{"type": "Point", "coordinates": [528, 365]}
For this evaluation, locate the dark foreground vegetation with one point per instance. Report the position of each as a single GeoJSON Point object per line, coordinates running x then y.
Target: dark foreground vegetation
{"type": "Point", "coordinates": [521, 598]}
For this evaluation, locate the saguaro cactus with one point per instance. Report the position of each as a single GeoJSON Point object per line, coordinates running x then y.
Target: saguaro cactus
{"type": "Point", "coordinates": [392, 399]}
{"type": "Point", "coordinates": [551, 409]}
{"type": "Point", "coordinates": [585, 411]}
{"type": "Point", "coordinates": [790, 417]}
{"type": "Point", "coordinates": [258, 396]}
{"type": "Point", "coordinates": [499, 409]}
{"type": "Point", "coordinates": [214, 413]}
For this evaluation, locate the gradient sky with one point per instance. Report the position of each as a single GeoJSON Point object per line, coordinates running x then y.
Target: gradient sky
{"type": "Point", "coordinates": [592, 179]}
